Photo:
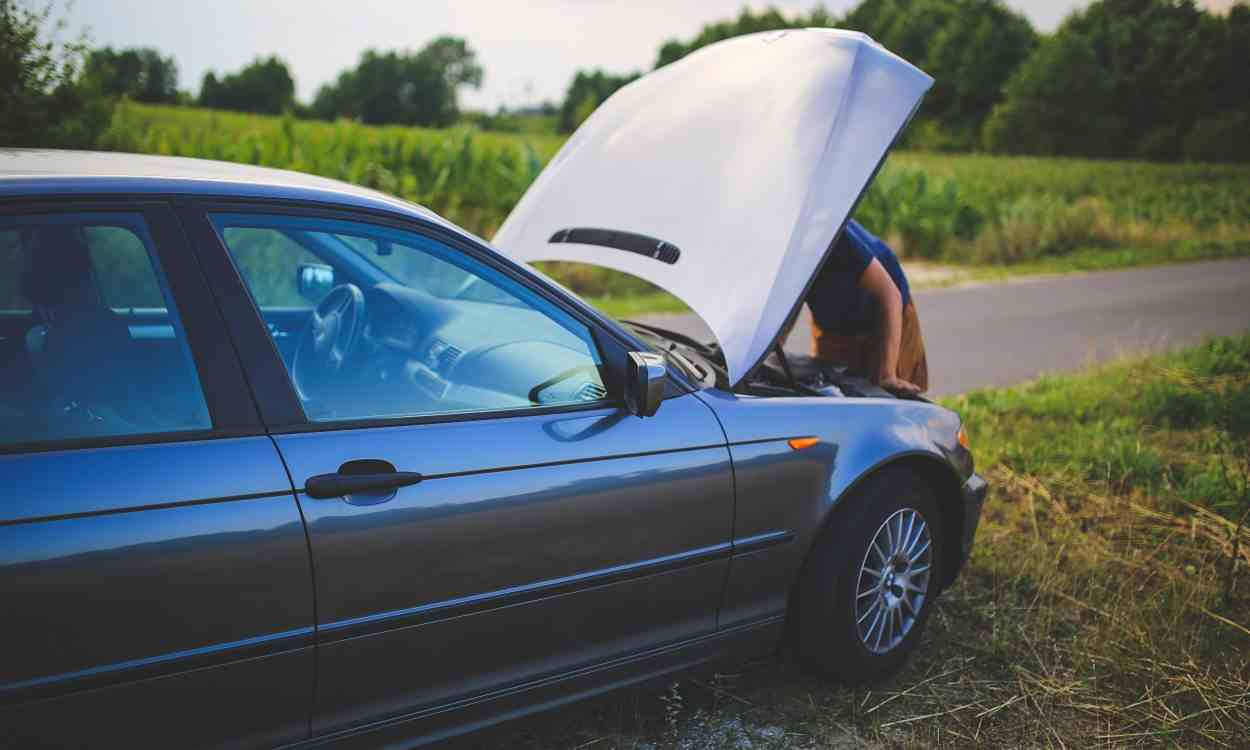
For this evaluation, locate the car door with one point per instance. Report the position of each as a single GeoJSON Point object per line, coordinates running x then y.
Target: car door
{"type": "Point", "coordinates": [155, 588]}
{"type": "Point", "coordinates": [511, 521]}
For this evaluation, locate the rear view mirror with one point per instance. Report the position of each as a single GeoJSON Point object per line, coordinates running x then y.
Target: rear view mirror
{"type": "Point", "coordinates": [314, 281]}
{"type": "Point", "coordinates": [644, 383]}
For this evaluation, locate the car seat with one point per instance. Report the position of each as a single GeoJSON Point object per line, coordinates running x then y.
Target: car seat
{"type": "Point", "coordinates": [80, 350]}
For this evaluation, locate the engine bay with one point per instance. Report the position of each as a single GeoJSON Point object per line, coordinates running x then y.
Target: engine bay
{"type": "Point", "coordinates": [780, 374]}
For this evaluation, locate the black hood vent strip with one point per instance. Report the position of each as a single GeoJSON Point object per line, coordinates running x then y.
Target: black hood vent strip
{"type": "Point", "coordinates": [630, 242]}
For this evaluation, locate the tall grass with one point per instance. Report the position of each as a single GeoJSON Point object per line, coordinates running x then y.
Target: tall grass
{"type": "Point", "coordinates": [471, 177]}
{"type": "Point", "coordinates": [957, 208]}
{"type": "Point", "coordinates": [1005, 210]}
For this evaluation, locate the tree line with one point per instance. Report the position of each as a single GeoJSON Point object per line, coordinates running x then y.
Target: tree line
{"type": "Point", "coordinates": [1139, 79]}
{"type": "Point", "coordinates": [1145, 79]}
{"type": "Point", "coordinates": [55, 93]}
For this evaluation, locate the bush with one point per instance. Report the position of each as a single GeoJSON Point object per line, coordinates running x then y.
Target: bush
{"type": "Point", "coordinates": [1171, 404]}
{"type": "Point", "coordinates": [1206, 387]}
{"type": "Point", "coordinates": [43, 102]}
{"type": "Point", "coordinates": [1219, 138]}
{"type": "Point", "coordinates": [1039, 225]}
{"type": "Point", "coordinates": [1227, 356]}
{"type": "Point", "coordinates": [920, 213]}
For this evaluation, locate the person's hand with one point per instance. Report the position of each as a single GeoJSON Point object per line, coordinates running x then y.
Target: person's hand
{"type": "Point", "coordinates": [899, 387]}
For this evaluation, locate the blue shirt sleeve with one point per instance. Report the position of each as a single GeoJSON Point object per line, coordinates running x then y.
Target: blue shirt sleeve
{"type": "Point", "coordinates": [853, 254]}
{"type": "Point", "coordinates": [836, 301]}
{"type": "Point", "coordinates": [875, 247]}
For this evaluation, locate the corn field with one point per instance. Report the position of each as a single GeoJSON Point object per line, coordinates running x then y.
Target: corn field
{"type": "Point", "coordinates": [962, 208]}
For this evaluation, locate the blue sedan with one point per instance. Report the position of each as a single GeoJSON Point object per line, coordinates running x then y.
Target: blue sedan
{"type": "Point", "coordinates": [287, 462]}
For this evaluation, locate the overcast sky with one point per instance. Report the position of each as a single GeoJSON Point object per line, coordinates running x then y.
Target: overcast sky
{"type": "Point", "coordinates": [528, 48]}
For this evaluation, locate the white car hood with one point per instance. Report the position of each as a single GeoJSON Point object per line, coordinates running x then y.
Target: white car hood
{"type": "Point", "coordinates": [723, 178]}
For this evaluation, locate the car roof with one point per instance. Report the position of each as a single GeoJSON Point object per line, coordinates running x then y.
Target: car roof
{"type": "Point", "coordinates": [49, 172]}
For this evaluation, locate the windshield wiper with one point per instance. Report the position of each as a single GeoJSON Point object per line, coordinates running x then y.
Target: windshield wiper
{"type": "Point", "coordinates": [668, 335]}
{"type": "Point", "coordinates": [670, 348]}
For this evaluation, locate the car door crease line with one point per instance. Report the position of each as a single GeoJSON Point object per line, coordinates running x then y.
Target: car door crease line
{"type": "Point", "coordinates": [143, 508]}
{"type": "Point", "coordinates": [538, 589]}
{"type": "Point", "coordinates": [566, 462]}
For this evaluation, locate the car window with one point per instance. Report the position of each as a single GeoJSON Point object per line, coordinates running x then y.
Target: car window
{"type": "Point", "coordinates": [398, 324]}
{"type": "Point", "coordinates": [11, 299]}
{"type": "Point", "coordinates": [89, 343]}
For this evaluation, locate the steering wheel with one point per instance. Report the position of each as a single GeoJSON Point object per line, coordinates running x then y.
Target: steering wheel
{"type": "Point", "coordinates": [330, 339]}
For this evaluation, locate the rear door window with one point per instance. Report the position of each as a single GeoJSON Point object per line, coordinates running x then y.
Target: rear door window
{"type": "Point", "coordinates": [90, 344]}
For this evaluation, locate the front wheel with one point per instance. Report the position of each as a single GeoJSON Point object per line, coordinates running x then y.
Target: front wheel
{"type": "Point", "coordinates": [870, 582]}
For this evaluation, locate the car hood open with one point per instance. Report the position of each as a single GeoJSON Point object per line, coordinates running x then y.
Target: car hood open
{"type": "Point", "coordinates": [724, 178]}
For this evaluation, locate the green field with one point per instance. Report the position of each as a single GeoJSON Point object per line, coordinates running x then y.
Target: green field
{"type": "Point", "coordinates": [469, 176]}
{"type": "Point", "coordinates": [1006, 214]}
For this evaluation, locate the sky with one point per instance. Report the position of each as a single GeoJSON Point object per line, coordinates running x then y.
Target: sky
{"type": "Point", "coordinates": [529, 49]}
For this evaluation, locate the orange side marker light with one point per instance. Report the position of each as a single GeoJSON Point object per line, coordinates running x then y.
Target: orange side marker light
{"type": "Point", "coordinates": [799, 444]}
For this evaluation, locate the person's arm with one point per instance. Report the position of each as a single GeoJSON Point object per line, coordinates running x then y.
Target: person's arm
{"type": "Point", "coordinates": [877, 282]}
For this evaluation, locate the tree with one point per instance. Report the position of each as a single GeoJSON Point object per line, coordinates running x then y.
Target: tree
{"type": "Point", "coordinates": [265, 86]}
{"type": "Point", "coordinates": [141, 74]}
{"type": "Point", "coordinates": [42, 100]}
{"type": "Point", "coordinates": [1155, 79]}
{"type": "Point", "coordinates": [587, 91]}
{"type": "Point", "coordinates": [747, 22]}
{"type": "Point", "coordinates": [400, 87]}
{"type": "Point", "coordinates": [1059, 102]}
{"type": "Point", "coordinates": [971, 57]}
{"type": "Point", "coordinates": [970, 47]}
{"type": "Point", "coordinates": [458, 64]}
{"type": "Point", "coordinates": [590, 88]}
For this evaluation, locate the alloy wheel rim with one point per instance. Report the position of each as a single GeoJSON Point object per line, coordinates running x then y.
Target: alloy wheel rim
{"type": "Point", "coordinates": [893, 580]}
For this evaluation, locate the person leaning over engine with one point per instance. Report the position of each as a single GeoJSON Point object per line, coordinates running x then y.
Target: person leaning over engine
{"type": "Point", "coordinates": [863, 316]}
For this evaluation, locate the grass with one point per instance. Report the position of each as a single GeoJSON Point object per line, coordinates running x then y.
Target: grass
{"type": "Point", "coordinates": [631, 306]}
{"type": "Point", "coordinates": [1200, 195]}
{"type": "Point", "coordinates": [1107, 602]}
{"type": "Point", "coordinates": [1082, 261]}
{"type": "Point", "coordinates": [1112, 259]}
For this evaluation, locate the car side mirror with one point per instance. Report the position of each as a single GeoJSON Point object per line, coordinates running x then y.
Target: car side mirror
{"type": "Point", "coordinates": [314, 281]}
{"type": "Point", "coordinates": [645, 376]}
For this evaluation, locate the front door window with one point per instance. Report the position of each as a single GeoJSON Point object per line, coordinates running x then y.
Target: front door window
{"type": "Point", "coordinates": [373, 322]}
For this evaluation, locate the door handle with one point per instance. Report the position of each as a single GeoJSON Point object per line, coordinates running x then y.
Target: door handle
{"type": "Point", "coordinates": [367, 475]}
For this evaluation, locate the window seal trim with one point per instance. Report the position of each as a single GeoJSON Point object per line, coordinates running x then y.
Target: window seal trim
{"type": "Point", "coordinates": [126, 441]}
{"type": "Point", "coordinates": [449, 417]}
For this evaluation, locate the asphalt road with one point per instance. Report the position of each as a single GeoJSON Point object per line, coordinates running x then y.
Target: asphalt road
{"type": "Point", "coordinates": [1005, 333]}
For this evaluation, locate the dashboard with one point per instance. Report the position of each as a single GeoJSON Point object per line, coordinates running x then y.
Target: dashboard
{"type": "Point", "coordinates": [423, 353]}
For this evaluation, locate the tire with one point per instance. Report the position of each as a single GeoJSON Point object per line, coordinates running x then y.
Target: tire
{"type": "Point", "coordinates": [849, 625]}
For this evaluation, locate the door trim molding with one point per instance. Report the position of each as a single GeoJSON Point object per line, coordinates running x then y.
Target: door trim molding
{"type": "Point", "coordinates": [448, 608]}
{"type": "Point", "coordinates": [131, 670]}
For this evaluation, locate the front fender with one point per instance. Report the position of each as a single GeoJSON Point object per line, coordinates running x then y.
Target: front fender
{"type": "Point", "coordinates": [784, 493]}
